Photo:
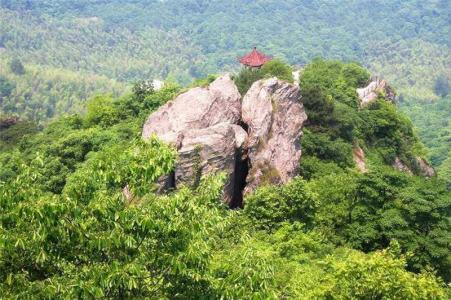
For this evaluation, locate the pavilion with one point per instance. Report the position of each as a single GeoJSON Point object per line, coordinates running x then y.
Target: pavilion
{"type": "Point", "coordinates": [254, 59]}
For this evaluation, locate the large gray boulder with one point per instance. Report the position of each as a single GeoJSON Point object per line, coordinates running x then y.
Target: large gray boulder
{"type": "Point", "coordinates": [196, 109]}
{"type": "Point", "coordinates": [274, 115]}
{"type": "Point", "coordinates": [254, 142]}
{"type": "Point", "coordinates": [210, 150]}
{"type": "Point", "coordinates": [202, 124]}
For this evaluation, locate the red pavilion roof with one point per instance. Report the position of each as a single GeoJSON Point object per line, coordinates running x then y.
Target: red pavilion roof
{"type": "Point", "coordinates": [254, 59]}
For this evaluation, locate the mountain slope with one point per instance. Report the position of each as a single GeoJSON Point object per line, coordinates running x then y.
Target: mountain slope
{"type": "Point", "coordinates": [125, 40]}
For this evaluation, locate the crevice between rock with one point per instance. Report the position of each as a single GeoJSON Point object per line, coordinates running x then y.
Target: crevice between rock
{"type": "Point", "coordinates": [239, 179]}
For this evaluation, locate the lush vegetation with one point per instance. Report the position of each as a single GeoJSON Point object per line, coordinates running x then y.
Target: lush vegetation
{"type": "Point", "coordinates": [434, 127]}
{"type": "Point", "coordinates": [69, 227]}
{"type": "Point", "coordinates": [68, 230]}
{"type": "Point", "coordinates": [128, 40]}
{"type": "Point", "coordinates": [273, 68]}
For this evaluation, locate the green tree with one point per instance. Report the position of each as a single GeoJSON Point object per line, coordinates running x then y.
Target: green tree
{"type": "Point", "coordinates": [270, 206]}
{"type": "Point", "coordinates": [17, 67]}
{"type": "Point", "coordinates": [6, 87]}
{"type": "Point", "coordinates": [279, 69]}
{"type": "Point", "coordinates": [441, 86]}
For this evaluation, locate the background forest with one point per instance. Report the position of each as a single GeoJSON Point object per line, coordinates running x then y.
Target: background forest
{"type": "Point", "coordinates": [72, 50]}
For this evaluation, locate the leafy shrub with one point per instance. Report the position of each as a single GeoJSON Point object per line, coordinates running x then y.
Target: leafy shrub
{"type": "Point", "coordinates": [17, 67]}
{"type": "Point", "coordinates": [12, 135]}
{"type": "Point", "coordinates": [324, 82]}
{"type": "Point", "coordinates": [313, 167]}
{"type": "Point", "coordinates": [141, 89]}
{"type": "Point", "coordinates": [270, 206]}
{"type": "Point", "coordinates": [323, 147]}
{"type": "Point", "coordinates": [274, 68]}
{"type": "Point", "coordinates": [246, 78]}
{"type": "Point", "coordinates": [368, 211]}
{"type": "Point", "coordinates": [278, 68]}
{"type": "Point", "coordinates": [390, 131]}
{"type": "Point", "coordinates": [101, 111]}
{"type": "Point", "coordinates": [6, 87]}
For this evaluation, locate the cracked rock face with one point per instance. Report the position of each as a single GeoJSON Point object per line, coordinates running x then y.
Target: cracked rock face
{"type": "Point", "coordinates": [421, 167]}
{"type": "Point", "coordinates": [208, 150]}
{"type": "Point", "coordinates": [254, 142]}
{"type": "Point", "coordinates": [202, 124]}
{"type": "Point", "coordinates": [359, 159]}
{"type": "Point", "coordinates": [424, 168]}
{"type": "Point", "coordinates": [274, 115]}
{"type": "Point", "coordinates": [197, 108]}
{"type": "Point", "coordinates": [370, 93]}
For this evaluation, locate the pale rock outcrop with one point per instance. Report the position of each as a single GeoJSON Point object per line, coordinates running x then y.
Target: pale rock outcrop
{"type": "Point", "coordinates": [202, 124]}
{"type": "Point", "coordinates": [400, 166]}
{"type": "Point", "coordinates": [157, 84]}
{"type": "Point", "coordinates": [370, 93]}
{"type": "Point", "coordinates": [254, 142]}
{"type": "Point", "coordinates": [210, 150]}
{"type": "Point", "coordinates": [424, 168]}
{"type": "Point", "coordinates": [421, 167]}
{"type": "Point", "coordinates": [359, 159]}
{"type": "Point", "coordinates": [274, 115]}
{"type": "Point", "coordinates": [296, 76]}
{"type": "Point", "coordinates": [196, 109]}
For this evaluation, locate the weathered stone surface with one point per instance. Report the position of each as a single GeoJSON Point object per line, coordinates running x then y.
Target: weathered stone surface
{"type": "Point", "coordinates": [274, 115]}
{"type": "Point", "coordinates": [424, 168]}
{"type": "Point", "coordinates": [253, 143]}
{"type": "Point", "coordinates": [400, 166]}
{"type": "Point", "coordinates": [196, 109]}
{"type": "Point", "coordinates": [421, 167]}
{"type": "Point", "coordinates": [359, 159]}
{"type": "Point", "coordinates": [370, 93]}
{"type": "Point", "coordinates": [210, 150]}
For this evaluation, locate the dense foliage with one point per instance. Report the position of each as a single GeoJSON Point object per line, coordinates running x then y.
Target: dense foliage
{"type": "Point", "coordinates": [79, 216]}
{"type": "Point", "coordinates": [128, 40]}
{"type": "Point", "coordinates": [434, 128]}
{"type": "Point", "coordinates": [273, 68]}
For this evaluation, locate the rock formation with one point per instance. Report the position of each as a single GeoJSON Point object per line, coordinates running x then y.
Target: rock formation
{"type": "Point", "coordinates": [400, 166]}
{"type": "Point", "coordinates": [196, 109]}
{"type": "Point", "coordinates": [208, 150]}
{"type": "Point", "coordinates": [359, 159]}
{"type": "Point", "coordinates": [424, 168]}
{"type": "Point", "coordinates": [370, 93]}
{"type": "Point", "coordinates": [254, 144]}
{"type": "Point", "coordinates": [274, 116]}
{"type": "Point", "coordinates": [202, 124]}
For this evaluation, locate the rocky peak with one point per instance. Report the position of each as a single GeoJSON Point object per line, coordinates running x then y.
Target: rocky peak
{"type": "Point", "coordinates": [254, 142]}
{"type": "Point", "coordinates": [196, 109]}
{"type": "Point", "coordinates": [274, 115]}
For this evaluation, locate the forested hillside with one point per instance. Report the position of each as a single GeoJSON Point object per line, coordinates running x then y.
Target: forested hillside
{"type": "Point", "coordinates": [68, 230]}
{"type": "Point", "coordinates": [408, 41]}
{"type": "Point", "coordinates": [75, 49]}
